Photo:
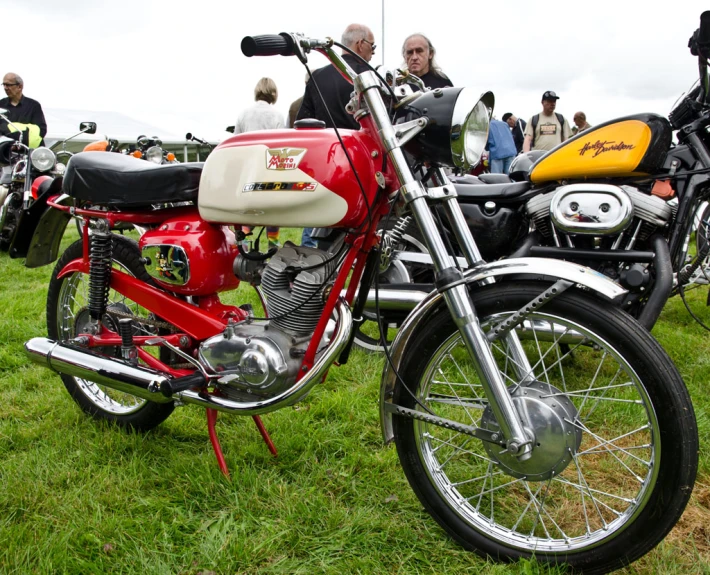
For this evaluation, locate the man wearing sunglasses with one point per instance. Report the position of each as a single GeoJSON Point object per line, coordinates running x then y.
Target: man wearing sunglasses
{"type": "Point", "coordinates": [23, 112]}
{"type": "Point", "coordinates": [334, 88]}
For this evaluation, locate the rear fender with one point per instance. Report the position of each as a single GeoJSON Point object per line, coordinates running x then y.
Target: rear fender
{"type": "Point", "coordinates": [44, 246]}
{"type": "Point", "coordinates": [533, 268]}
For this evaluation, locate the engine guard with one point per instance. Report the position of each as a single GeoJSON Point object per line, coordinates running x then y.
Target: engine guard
{"type": "Point", "coordinates": [541, 268]}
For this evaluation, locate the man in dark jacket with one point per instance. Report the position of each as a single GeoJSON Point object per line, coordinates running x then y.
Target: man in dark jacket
{"type": "Point", "coordinates": [335, 89]}
{"type": "Point", "coordinates": [517, 129]}
{"type": "Point", "coordinates": [22, 111]}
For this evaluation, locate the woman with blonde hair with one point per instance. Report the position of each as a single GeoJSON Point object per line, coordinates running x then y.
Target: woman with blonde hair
{"type": "Point", "coordinates": [262, 116]}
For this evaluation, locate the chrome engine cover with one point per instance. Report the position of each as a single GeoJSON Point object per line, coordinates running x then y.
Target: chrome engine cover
{"type": "Point", "coordinates": [254, 358]}
{"type": "Point", "coordinates": [595, 209]}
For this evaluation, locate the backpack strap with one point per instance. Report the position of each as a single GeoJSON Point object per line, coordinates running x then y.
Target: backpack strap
{"type": "Point", "coordinates": [561, 120]}
{"type": "Point", "coordinates": [534, 121]}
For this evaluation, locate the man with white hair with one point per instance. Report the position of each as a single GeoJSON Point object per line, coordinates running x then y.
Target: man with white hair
{"type": "Point", "coordinates": [420, 57]}
{"type": "Point", "coordinates": [25, 113]}
{"type": "Point", "coordinates": [335, 89]}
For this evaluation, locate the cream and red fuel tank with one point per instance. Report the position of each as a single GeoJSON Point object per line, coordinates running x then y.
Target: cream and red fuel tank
{"type": "Point", "coordinates": [290, 178]}
{"type": "Point", "coordinates": [630, 146]}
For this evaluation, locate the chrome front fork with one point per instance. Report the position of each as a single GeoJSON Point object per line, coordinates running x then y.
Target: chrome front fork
{"type": "Point", "coordinates": [449, 279]}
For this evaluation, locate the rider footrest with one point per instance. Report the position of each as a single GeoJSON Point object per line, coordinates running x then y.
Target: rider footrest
{"type": "Point", "coordinates": [169, 388]}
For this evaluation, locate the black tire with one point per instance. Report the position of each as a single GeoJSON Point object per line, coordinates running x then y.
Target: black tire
{"type": "Point", "coordinates": [458, 479]}
{"type": "Point", "coordinates": [66, 309]}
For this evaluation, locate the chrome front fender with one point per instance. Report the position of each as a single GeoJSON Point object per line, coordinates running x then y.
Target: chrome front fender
{"type": "Point", "coordinates": [540, 268]}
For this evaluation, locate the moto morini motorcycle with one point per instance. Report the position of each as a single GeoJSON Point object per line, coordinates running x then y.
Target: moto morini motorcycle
{"type": "Point", "coordinates": [532, 417]}
{"type": "Point", "coordinates": [620, 198]}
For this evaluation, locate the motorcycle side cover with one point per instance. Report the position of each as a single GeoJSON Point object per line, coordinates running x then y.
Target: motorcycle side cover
{"type": "Point", "coordinates": [630, 146]}
{"type": "Point", "coordinates": [289, 178]}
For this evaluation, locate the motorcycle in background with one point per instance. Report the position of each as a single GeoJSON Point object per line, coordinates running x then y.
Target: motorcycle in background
{"type": "Point", "coordinates": [620, 198]}
{"type": "Point", "coordinates": [30, 177]}
{"type": "Point", "coordinates": [514, 445]}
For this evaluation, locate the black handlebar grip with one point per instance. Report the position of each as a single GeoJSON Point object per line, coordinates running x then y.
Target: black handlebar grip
{"type": "Point", "coordinates": [704, 32]}
{"type": "Point", "coordinates": [268, 45]}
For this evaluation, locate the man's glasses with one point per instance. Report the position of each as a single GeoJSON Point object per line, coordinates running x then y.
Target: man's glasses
{"type": "Point", "coordinates": [9, 85]}
{"type": "Point", "coordinates": [372, 44]}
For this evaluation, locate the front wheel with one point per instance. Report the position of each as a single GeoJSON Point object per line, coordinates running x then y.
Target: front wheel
{"type": "Point", "coordinates": [68, 316]}
{"type": "Point", "coordinates": [614, 436]}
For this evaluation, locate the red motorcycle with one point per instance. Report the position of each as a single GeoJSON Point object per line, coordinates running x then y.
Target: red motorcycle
{"type": "Point", "coordinates": [531, 416]}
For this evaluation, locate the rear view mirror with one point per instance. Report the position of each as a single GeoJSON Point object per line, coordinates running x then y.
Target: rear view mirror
{"type": "Point", "coordinates": [230, 129]}
{"type": "Point", "coordinates": [88, 127]}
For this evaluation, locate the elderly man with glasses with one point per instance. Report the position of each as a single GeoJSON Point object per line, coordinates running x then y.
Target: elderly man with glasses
{"type": "Point", "coordinates": [335, 89]}
{"type": "Point", "coordinates": [25, 113]}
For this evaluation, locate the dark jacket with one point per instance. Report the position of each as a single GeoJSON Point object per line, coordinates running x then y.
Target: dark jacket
{"type": "Point", "coordinates": [336, 92]}
{"type": "Point", "coordinates": [518, 132]}
{"type": "Point", "coordinates": [433, 80]}
{"type": "Point", "coordinates": [27, 111]}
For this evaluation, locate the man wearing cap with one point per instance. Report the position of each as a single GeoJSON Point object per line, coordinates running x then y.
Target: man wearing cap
{"type": "Point", "coordinates": [548, 129]}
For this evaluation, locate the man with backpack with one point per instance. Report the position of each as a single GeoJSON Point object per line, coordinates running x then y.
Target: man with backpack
{"type": "Point", "coordinates": [548, 129]}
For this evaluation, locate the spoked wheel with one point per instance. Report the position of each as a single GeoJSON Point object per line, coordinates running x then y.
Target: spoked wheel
{"type": "Point", "coordinates": [614, 436]}
{"type": "Point", "coordinates": [396, 272]}
{"type": "Point", "coordinates": [68, 316]}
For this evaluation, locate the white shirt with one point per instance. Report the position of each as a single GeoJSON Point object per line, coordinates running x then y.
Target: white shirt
{"type": "Point", "coordinates": [260, 116]}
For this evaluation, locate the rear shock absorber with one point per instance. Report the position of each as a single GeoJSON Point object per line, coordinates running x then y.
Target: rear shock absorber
{"type": "Point", "coordinates": [100, 252]}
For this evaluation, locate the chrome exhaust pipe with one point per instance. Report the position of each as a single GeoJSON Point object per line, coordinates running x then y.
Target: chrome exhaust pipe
{"type": "Point", "coordinates": [80, 362]}
{"type": "Point", "coordinates": [145, 383]}
{"type": "Point", "coordinates": [393, 299]}
{"type": "Point", "coordinates": [544, 331]}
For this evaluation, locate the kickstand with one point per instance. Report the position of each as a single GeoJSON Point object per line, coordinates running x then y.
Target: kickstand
{"type": "Point", "coordinates": [212, 419]}
{"type": "Point", "coordinates": [265, 435]}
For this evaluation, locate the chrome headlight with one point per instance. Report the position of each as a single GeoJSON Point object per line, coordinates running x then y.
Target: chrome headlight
{"type": "Point", "coordinates": [457, 128]}
{"type": "Point", "coordinates": [43, 159]}
{"type": "Point", "coordinates": [60, 168]}
{"type": "Point", "coordinates": [469, 129]}
{"type": "Point", "coordinates": [154, 154]}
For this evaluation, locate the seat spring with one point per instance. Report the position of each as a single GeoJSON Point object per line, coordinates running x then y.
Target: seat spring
{"type": "Point", "coordinates": [100, 251]}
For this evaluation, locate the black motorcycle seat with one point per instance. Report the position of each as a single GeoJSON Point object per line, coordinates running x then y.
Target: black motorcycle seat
{"type": "Point", "coordinates": [490, 192]}
{"type": "Point", "coordinates": [494, 178]}
{"type": "Point", "coordinates": [115, 180]}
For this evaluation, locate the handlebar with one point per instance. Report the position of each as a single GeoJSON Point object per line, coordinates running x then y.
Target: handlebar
{"type": "Point", "coordinates": [269, 45]}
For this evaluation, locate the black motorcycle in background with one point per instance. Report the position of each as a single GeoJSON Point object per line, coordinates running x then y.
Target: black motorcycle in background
{"type": "Point", "coordinates": [621, 198]}
{"type": "Point", "coordinates": [28, 177]}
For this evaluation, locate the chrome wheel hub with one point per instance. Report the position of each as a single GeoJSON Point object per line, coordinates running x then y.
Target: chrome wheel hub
{"type": "Point", "coordinates": [556, 438]}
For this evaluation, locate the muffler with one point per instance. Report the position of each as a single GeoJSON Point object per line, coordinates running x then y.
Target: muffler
{"type": "Point", "coordinates": [80, 362]}
{"type": "Point", "coordinates": [146, 383]}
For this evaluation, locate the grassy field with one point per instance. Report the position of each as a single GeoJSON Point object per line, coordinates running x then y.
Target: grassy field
{"type": "Point", "coordinates": [83, 497]}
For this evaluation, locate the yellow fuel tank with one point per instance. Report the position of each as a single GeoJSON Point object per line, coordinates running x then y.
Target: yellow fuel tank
{"type": "Point", "coordinates": [630, 146]}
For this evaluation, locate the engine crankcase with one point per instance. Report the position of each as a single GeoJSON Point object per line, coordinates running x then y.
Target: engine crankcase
{"type": "Point", "coordinates": [254, 358]}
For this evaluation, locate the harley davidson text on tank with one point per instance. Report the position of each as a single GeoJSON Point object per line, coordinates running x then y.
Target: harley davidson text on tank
{"type": "Point", "coordinates": [531, 416]}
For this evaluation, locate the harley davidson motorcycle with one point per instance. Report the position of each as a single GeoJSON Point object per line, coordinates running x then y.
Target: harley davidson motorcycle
{"type": "Point", "coordinates": [27, 180]}
{"type": "Point", "coordinates": [531, 416]}
{"type": "Point", "coordinates": [619, 198]}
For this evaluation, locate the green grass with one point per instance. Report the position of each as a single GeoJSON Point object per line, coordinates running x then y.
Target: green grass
{"type": "Point", "coordinates": [84, 497]}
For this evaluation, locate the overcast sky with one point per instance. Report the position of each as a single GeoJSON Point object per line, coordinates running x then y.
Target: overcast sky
{"type": "Point", "coordinates": [178, 63]}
